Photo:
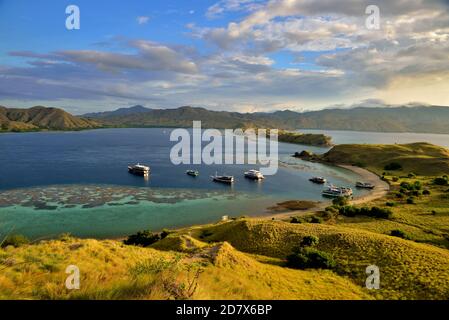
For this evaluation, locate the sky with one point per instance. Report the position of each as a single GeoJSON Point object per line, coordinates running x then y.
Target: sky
{"type": "Point", "coordinates": [234, 55]}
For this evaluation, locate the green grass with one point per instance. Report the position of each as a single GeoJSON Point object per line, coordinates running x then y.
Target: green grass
{"type": "Point", "coordinates": [111, 270]}
{"type": "Point", "coordinates": [422, 159]}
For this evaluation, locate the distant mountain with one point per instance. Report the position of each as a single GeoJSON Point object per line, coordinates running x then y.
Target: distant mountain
{"type": "Point", "coordinates": [41, 118]}
{"type": "Point", "coordinates": [118, 112]}
{"type": "Point", "coordinates": [425, 119]}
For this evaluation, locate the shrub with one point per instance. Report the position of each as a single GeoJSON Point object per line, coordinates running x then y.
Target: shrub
{"type": "Point", "coordinates": [315, 219]}
{"type": "Point", "coordinates": [15, 240]}
{"type": "Point", "coordinates": [400, 234]}
{"type": "Point", "coordinates": [399, 195]}
{"type": "Point", "coordinates": [296, 220]}
{"type": "Point", "coordinates": [375, 212]}
{"type": "Point", "coordinates": [164, 233]}
{"type": "Point", "coordinates": [410, 200]}
{"type": "Point", "coordinates": [390, 204]}
{"type": "Point", "coordinates": [441, 181]}
{"type": "Point", "coordinates": [395, 179]}
{"type": "Point", "coordinates": [426, 192]}
{"type": "Point", "coordinates": [142, 238]}
{"type": "Point", "coordinates": [310, 258]}
{"type": "Point", "coordinates": [411, 175]}
{"type": "Point", "coordinates": [309, 241]}
{"type": "Point", "coordinates": [393, 166]}
{"type": "Point", "coordinates": [340, 201]}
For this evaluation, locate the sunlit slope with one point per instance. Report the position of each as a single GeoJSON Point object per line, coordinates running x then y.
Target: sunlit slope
{"type": "Point", "coordinates": [408, 269]}
{"type": "Point", "coordinates": [110, 270]}
{"type": "Point", "coordinates": [420, 158]}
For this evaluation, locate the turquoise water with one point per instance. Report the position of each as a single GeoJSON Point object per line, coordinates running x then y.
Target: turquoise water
{"type": "Point", "coordinates": [113, 211]}
{"type": "Point", "coordinates": [77, 182]}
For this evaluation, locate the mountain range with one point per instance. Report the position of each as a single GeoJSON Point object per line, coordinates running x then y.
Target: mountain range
{"type": "Point", "coordinates": [424, 119]}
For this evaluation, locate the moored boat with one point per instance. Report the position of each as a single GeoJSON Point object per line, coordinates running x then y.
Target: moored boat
{"type": "Point", "coordinates": [365, 185]}
{"type": "Point", "coordinates": [223, 179]}
{"type": "Point", "coordinates": [139, 170]}
{"type": "Point", "coordinates": [254, 174]}
{"type": "Point", "coordinates": [336, 192]}
{"type": "Point", "coordinates": [192, 173]}
{"type": "Point", "coordinates": [318, 180]}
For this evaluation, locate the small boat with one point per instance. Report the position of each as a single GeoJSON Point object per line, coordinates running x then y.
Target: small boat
{"type": "Point", "coordinates": [365, 185]}
{"type": "Point", "coordinates": [192, 173]}
{"type": "Point", "coordinates": [223, 179]}
{"type": "Point", "coordinates": [336, 192]}
{"type": "Point", "coordinates": [254, 174]}
{"type": "Point", "coordinates": [318, 180]}
{"type": "Point", "coordinates": [139, 170]}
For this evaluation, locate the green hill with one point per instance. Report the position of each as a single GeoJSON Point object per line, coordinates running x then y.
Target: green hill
{"type": "Point", "coordinates": [41, 118]}
{"type": "Point", "coordinates": [420, 158]}
{"type": "Point", "coordinates": [404, 265]}
{"type": "Point", "coordinates": [111, 270]}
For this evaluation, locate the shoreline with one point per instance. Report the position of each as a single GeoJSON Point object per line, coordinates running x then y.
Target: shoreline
{"type": "Point", "coordinates": [381, 190]}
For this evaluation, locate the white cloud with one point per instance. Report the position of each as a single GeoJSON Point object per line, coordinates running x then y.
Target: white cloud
{"type": "Point", "coordinates": [142, 20]}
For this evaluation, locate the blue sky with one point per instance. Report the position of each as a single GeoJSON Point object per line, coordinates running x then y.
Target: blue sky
{"type": "Point", "coordinates": [243, 55]}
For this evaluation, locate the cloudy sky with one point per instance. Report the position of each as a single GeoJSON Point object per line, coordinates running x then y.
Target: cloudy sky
{"type": "Point", "coordinates": [242, 55]}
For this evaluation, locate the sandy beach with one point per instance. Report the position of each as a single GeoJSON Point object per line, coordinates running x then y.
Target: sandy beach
{"type": "Point", "coordinates": [381, 189]}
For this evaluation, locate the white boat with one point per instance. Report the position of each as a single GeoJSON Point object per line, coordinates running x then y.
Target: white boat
{"type": "Point", "coordinates": [318, 180]}
{"type": "Point", "coordinates": [254, 174]}
{"type": "Point", "coordinates": [139, 170]}
{"type": "Point", "coordinates": [365, 185]}
{"type": "Point", "coordinates": [223, 179]}
{"type": "Point", "coordinates": [336, 192]}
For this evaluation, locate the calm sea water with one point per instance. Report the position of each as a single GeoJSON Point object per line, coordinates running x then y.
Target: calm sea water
{"type": "Point", "coordinates": [340, 137]}
{"type": "Point", "coordinates": [77, 182]}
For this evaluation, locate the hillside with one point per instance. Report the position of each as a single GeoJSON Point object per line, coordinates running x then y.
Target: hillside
{"type": "Point", "coordinates": [429, 119]}
{"type": "Point", "coordinates": [41, 118]}
{"type": "Point", "coordinates": [216, 271]}
{"type": "Point", "coordinates": [419, 158]}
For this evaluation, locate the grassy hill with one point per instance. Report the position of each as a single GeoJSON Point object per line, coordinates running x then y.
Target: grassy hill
{"type": "Point", "coordinates": [419, 158]}
{"type": "Point", "coordinates": [111, 270]}
{"type": "Point", "coordinates": [241, 259]}
{"type": "Point", "coordinates": [41, 118]}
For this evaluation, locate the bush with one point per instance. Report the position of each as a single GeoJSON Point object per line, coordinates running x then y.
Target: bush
{"type": "Point", "coordinates": [441, 181]}
{"type": "Point", "coordinates": [296, 220]}
{"type": "Point", "coordinates": [395, 179]}
{"type": "Point", "coordinates": [142, 238]}
{"type": "Point", "coordinates": [400, 234]}
{"type": "Point", "coordinates": [316, 219]}
{"type": "Point", "coordinates": [340, 201]}
{"type": "Point", "coordinates": [410, 200]}
{"type": "Point", "coordinates": [426, 192]}
{"type": "Point", "coordinates": [390, 204]}
{"type": "Point", "coordinates": [15, 240]}
{"type": "Point", "coordinates": [164, 233]}
{"type": "Point", "coordinates": [310, 258]}
{"type": "Point", "coordinates": [393, 166]}
{"type": "Point", "coordinates": [309, 241]}
{"type": "Point", "coordinates": [399, 195]}
{"type": "Point", "coordinates": [375, 212]}
{"type": "Point", "coordinates": [411, 175]}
